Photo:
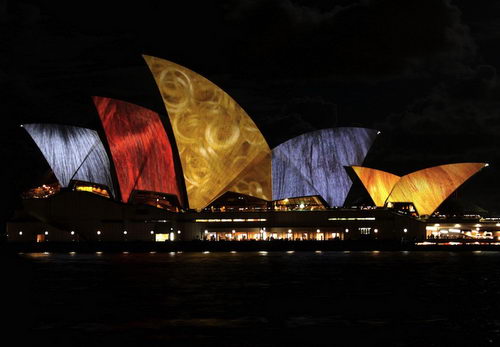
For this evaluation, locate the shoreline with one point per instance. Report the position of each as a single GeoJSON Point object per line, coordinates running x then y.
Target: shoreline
{"type": "Point", "coordinates": [247, 246]}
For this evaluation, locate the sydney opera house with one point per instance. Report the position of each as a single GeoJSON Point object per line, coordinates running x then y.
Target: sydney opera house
{"type": "Point", "coordinates": [206, 172]}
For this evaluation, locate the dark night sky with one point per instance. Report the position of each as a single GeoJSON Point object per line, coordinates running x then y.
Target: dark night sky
{"type": "Point", "coordinates": [421, 71]}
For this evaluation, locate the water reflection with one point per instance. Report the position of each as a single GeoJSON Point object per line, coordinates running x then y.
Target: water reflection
{"type": "Point", "coordinates": [268, 298]}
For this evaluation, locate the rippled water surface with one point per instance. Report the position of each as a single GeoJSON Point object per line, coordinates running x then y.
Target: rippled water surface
{"type": "Point", "coordinates": [264, 299]}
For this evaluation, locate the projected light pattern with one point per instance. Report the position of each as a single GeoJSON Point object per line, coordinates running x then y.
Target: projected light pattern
{"type": "Point", "coordinates": [73, 153]}
{"type": "Point", "coordinates": [378, 183]}
{"type": "Point", "coordinates": [313, 163]}
{"type": "Point", "coordinates": [428, 188]}
{"type": "Point", "coordinates": [139, 147]}
{"type": "Point", "coordinates": [221, 149]}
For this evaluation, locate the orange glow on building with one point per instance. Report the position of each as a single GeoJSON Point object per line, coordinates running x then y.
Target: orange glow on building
{"type": "Point", "coordinates": [428, 188]}
{"type": "Point", "coordinates": [220, 147]}
{"type": "Point", "coordinates": [378, 183]}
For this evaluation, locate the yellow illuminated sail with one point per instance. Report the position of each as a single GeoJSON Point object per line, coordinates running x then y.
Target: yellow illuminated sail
{"type": "Point", "coordinates": [378, 183]}
{"type": "Point", "coordinates": [428, 188]}
{"type": "Point", "coordinates": [220, 147]}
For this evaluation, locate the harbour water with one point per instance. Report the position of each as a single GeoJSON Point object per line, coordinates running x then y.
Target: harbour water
{"type": "Point", "coordinates": [390, 298]}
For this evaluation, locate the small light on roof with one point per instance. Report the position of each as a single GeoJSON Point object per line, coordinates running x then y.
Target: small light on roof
{"type": "Point", "coordinates": [486, 165]}
{"type": "Point", "coordinates": [379, 132]}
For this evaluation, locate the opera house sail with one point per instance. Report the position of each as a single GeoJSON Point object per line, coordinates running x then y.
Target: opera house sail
{"type": "Point", "coordinates": [378, 183]}
{"type": "Point", "coordinates": [73, 153]}
{"type": "Point", "coordinates": [313, 163]}
{"type": "Point", "coordinates": [426, 189]}
{"type": "Point", "coordinates": [220, 147]}
{"type": "Point", "coordinates": [140, 148]}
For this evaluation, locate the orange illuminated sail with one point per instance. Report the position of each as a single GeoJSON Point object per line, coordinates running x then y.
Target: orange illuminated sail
{"type": "Point", "coordinates": [220, 147]}
{"type": "Point", "coordinates": [428, 188]}
{"type": "Point", "coordinates": [378, 183]}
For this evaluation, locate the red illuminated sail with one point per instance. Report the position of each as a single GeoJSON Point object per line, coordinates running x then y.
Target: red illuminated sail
{"type": "Point", "coordinates": [139, 147]}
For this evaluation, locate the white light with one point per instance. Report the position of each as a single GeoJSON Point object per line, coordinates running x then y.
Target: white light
{"type": "Point", "coordinates": [477, 225]}
{"type": "Point", "coordinates": [233, 252]}
{"type": "Point", "coordinates": [289, 231]}
{"type": "Point", "coordinates": [301, 206]}
{"type": "Point", "coordinates": [98, 253]}
{"type": "Point", "coordinates": [152, 232]}
{"type": "Point", "coordinates": [437, 224]}
{"type": "Point", "coordinates": [486, 165]}
{"type": "Point", "coordinates": [20, 233]}
{"type": "Point", "coordinates": [206, 252]}
{"type": "Point", "coordinates": [376, 231]}
{"type": "Point", "coordinates": [98, 232]}
{"type": "Point", "coordinates": [72, 232]}
{"type": "Point", "coordinates": [46, 233]}
{"type": "Point", "coordinates": [347, 230]}
{"type": "Point", "coordinates": [178, 231]}
{"type": "Point", "coordinates": [233, 231]}
{"type": "Point", "coordinates": [206, 231]}
{"type": "Point", "coordinates": [405, 230]}
{"type": "Point", "coordinates": [498, 224]}
{"type": "Point", "coordinates": [317, 230]}
{"type": "Point", "coordinates": [379, 132]}
{"type": "Point", "coordinates": [264, 228]}
{"type": "Point", "coordinates": [457, 225]}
